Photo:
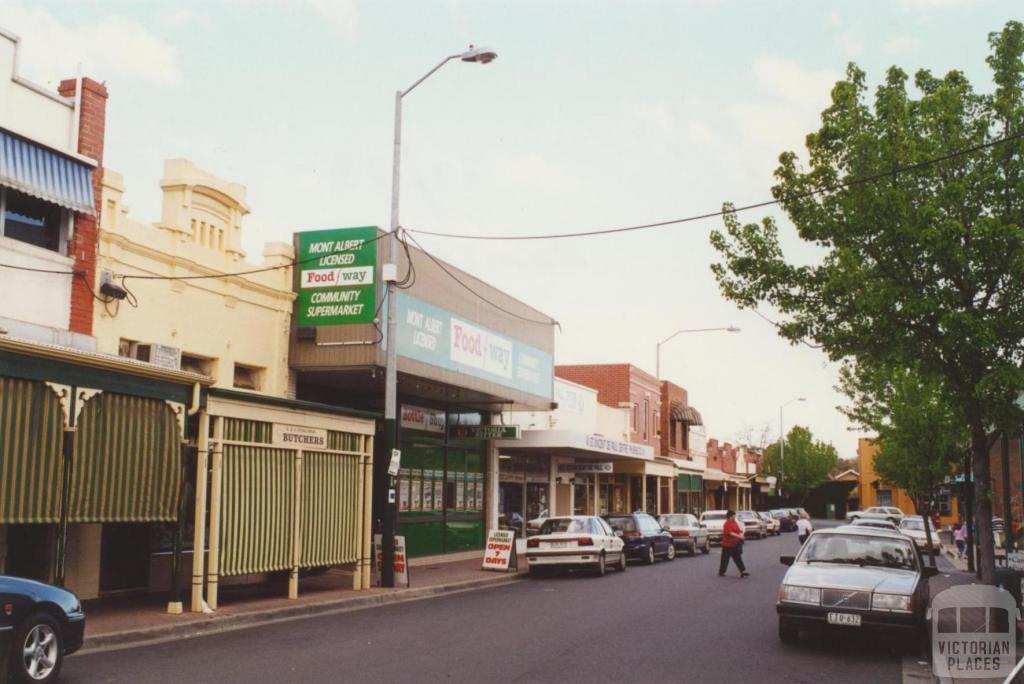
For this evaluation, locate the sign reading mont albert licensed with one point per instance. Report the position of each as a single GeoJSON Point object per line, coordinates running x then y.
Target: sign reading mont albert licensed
{"type": "Point", "coordinates": [485, 432]}
{"type": "Point", "coordinates": [437, 337]}
{"type": "Point", "coordinates": [336, 276]}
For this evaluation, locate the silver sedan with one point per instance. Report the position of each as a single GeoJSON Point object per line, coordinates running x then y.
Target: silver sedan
{"type": "Point", "coordinates": [687, 533]}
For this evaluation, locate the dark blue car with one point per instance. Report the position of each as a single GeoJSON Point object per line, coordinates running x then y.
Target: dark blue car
{"type": "Point", "coordinates": [39, 625]}
{"type": "Point", "coordinates": [644, 538]}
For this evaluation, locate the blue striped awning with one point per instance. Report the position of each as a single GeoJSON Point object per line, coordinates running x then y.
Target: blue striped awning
{"type": "Point", "coordinates": [45, 174]}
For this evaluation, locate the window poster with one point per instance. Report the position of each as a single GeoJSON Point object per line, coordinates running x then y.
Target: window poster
{"type": "Point", "coordinates": [460, 493]}
{"type": "Point", "coordinates": [416, 490]}
{"type": "Point", "coordinates": [439, 492]}
{"type": "Point", "coordinates": [428, 490]}
{"type": "Point", "coordinates": [404, 484]}
{"type": "Point", "coordinates": [478, 491]}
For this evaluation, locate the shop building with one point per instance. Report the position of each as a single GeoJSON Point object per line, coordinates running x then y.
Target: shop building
{"type": "Point", "coordinates": [679, 422]}
{"type": "Point", "coordinates": [466, 352]}
{"type": "Point", "coordinates": [724, 486]}
{"type": "Point", "coordinates": [872, 490]}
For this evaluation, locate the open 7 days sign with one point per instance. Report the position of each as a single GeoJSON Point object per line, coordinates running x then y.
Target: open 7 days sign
{"type": "Point", "coordinates": [336, 276]}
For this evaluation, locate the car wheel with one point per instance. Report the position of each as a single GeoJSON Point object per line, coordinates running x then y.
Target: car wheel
{"type": "Point", "coordinates": [788, 632]}
{"type": "Point", "coordinates": [670, 554]}
{"type": "Point", "coordinates": [38, 650]}
{"type": "Point", "coordinates": [707, 546]}
{"type": "Point", "coordinates": [693, 548]}
{"type": "Point", "coordinates": [600, 569]}
{"type": "Point", "coordinates": [650, 555]}
{"type": "Point", "coordinates": [622, 562]}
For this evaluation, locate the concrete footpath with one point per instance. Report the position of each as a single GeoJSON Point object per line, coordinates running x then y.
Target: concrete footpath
{"type": "Point", "coordinates": [113, 624]}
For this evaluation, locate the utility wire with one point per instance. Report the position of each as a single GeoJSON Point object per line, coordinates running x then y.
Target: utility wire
{"type": "Point", "coordinates": [41, 270]}
{"type": "Point", "coordinates": [477, 294]}
{"type": "Point", "coordinates": [747, 207]}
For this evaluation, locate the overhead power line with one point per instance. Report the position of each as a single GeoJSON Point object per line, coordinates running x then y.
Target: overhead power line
{"type": "Point", "coordinates": [747, 207]}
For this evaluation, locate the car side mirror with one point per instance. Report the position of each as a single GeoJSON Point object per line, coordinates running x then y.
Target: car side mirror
{"type": "Point", "coordinates": [929, 571]}
{"type": "Point", "coordinates": [618, 533]}
{"type": "Point", "coordinates": [787, 560]}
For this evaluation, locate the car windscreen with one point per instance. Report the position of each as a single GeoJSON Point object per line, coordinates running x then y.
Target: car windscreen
{"type": "Point", "coordinates": [714, 516]}
{"type": "Point", "coordinates": [859, 550]}
{"type": "Point", "coordinates": [746, 515]}
{"type": "Point", "coordinates": [912, 524]}
{"type": "Point", "coordinates": [626, 524]}
{"type": "Point", "coordinates": [554, 525]}
{"type": "Point", "coordinates": [674, 520]}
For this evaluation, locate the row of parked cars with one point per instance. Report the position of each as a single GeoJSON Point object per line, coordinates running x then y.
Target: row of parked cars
{"type": "Point", "coordinates": [611, 540]}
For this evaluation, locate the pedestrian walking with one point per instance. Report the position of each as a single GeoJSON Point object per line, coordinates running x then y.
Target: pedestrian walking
{"type": "Point", "coordinates": [804, 528]}
{"type": "Point", "coordinates": [960, 539]}
{"type": "Point", "coordinates": [732, 545]}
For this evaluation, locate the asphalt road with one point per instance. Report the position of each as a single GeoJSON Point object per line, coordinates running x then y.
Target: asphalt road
{"type": "Point", "coordinates": [675, 621]}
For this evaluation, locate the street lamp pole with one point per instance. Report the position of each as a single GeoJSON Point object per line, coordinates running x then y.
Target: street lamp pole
{"type": "Point", "coordinates": [482, 56]}
{"type": "Point", "coordinates": [782, 443]}
{"type": "Point", "coordinates": [657, 371]}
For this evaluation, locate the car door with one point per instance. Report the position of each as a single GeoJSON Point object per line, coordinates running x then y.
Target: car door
{"type": "Point", "coordinates": [598, 533]}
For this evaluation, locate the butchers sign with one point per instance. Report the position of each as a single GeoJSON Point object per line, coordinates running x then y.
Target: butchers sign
{"type": "Point", "coordinates": [500, 549]}
{"type": "Point", "coordinates": [299, 436]}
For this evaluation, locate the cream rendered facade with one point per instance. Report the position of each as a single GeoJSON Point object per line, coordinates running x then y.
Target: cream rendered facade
{"type": "Point", "coordinates": [234, 329]}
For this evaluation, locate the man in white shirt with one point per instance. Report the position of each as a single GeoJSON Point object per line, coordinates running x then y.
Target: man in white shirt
{"type": "Point", "coordinates": [803, 528]}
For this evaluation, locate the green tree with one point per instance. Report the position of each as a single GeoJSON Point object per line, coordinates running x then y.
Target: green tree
{"type": "Point", "coordinates": [920, 435]}
{"type": "Point", "coordinates": [921, 266]}
{"type": "Point", "coordinates": [805, 463]}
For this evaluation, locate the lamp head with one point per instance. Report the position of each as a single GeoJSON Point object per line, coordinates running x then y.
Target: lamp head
{"type": "Point", "coordinates": [732, 328]}
{"type": "Point", "coordinates": [481, 55]}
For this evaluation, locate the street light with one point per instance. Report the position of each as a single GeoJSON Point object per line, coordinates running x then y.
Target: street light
{"type": "Point", "coordinates": [479, 55]}
{"type": "Point", "coordinates": [657, 371]}
{"type": "Point", "coordinates": [782, 443]}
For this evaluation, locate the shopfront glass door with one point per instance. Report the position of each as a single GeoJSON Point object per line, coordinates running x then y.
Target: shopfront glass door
{"type": "Point", "coordinates": [583, 496]}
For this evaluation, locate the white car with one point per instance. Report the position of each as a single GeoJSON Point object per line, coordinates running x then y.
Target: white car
{"type": "Point", "coordinates": [771, 522]}
{"type": "Point", "coordinates": [752, 524]}
{"type": "Point", "coordinates": [714, 521]}
{"type": "Point", "coordinates": [913, 527]}
{"type": "Point", "coordinates": [890, 513]}
{"type": "Point", "coordinates": [575, 541]}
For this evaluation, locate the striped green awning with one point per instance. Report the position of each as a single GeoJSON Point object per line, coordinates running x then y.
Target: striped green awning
{"type": "Point", "coordinates": [331, 505]}
{"type": "Point", "coordinates": [689, 483]}
{"type": "Point", "coordinates": [256, 523]}
{"type": "Point", "coordinates": [31, 428]}
{"type": "Point", "coordinates": [127, 464]}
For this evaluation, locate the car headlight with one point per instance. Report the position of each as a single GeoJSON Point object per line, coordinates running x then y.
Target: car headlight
{"type": "Point", "coordinates": [795, 594]}
{"type": "Point", "coordinates": [890, 602]}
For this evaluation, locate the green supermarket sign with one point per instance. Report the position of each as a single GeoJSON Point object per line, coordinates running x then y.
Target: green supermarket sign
{"type": "Point", "coordinates": [337, 276]}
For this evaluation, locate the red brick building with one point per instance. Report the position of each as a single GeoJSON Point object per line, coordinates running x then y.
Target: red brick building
{"type": "Point", "coordinates": [1012, 447]}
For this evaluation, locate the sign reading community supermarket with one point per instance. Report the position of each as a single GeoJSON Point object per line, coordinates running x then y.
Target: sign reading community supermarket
{"type": "Point", "coordinates": [336, 276]}
{"type": "Point", "coordinates": [432, 335]}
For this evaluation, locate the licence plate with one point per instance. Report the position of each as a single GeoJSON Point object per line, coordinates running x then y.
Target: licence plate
{"type": "Point", "coordinates": [848, 619]}
{"type": "Point", "coordinates": [558, 545]}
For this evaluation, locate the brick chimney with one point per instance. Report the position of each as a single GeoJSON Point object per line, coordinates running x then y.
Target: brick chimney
{"type": "Point", "coordinates": [83, 247]}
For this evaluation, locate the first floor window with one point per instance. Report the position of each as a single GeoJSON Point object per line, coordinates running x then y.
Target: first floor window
{"type": "Point", "coordinates": [31, 220]}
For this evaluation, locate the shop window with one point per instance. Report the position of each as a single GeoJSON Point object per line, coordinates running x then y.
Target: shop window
{"type": "Point", "coordinates": [657, 424]}
{"type": "Point", "coordinates": [647, 410]}
{"type": "Point", "coordinates": [944, 503]}
{"type": "Point", "coordinates": [32, 220]}
{"type": "Point", "coordinates": [635, 423]}
{"type": "Point", "coordinates": [884, 497]}
{"type": "Point", "coordinates": [247, 377]}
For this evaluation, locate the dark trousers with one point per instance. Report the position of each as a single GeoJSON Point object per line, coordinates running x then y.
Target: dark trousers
{"type": "Point", "coordinates": [803, 538]}
{"type": "Point", "coordinates": [736, 554]}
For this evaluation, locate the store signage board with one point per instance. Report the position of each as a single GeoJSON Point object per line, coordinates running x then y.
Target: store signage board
{"type": "Point", "coordinates": [165, 357]}
{"type": "Point", "coordinates": [432, 335]}
{"type": "Point", "coordinates": [298, 437]}
{"type": "Point", "coordinates": [485, 432]}
{"type": "Point", "coordinates": [500, 550]}
{"type": "Point", "coordinates": [586, 467]}
{"type": "Point", "coordinates": [613, 446]}
{"type": "Point", "coordinates": [401, 564]}
{"type": "Point", "coordinates": [419, 418]}
{"type": "Point", "coordinates": [337, 284]}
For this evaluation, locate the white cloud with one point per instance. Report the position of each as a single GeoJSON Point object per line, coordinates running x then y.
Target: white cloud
{"type": "Point", "coordinates": [340, 15]}
{"type": "Point", "coordinates": [902, 44]}
{"type": "Point", "coordinates": [935, 4]}
{"type": "Point", "coordinates": [113, 47]}
{"type": "Point", "coordinates": [792, 83]}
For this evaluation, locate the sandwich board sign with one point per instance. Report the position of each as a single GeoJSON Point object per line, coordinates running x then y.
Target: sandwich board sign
{"type": "Point", "coordinates": [500, 551]}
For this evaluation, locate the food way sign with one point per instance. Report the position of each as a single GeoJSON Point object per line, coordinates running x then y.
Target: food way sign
{"type": "Point", "coordinates": [336, 276]}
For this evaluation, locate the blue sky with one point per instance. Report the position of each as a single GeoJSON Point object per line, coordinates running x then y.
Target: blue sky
{"type": "Point", "coordinates": [596, 114]}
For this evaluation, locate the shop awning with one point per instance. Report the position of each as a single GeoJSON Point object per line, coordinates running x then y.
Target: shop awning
{"type": "Point", "coordinates": [689, 483]}
{"type": "Point", "coordinates": [45, 174]}
{"type": "Point", "coordinates": [575, 444]}
{"type": "Point", "coordinates": [715, 475]}
{"type": "Point", "coordinates": [686, 414]}
{"type": "Point", "coordinates": [31, 427]}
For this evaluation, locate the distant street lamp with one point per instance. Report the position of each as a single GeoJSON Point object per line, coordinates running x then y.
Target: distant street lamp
{"type": "Point", "coordinates": [479, 55]}
{"type": "Point", "coordinates": [782, 443]}
{"type": "Point", "coordinates": [657, 372]}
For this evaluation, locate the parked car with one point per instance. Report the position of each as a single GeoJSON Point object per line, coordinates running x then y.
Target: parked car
{"type": "Point", "coordinates": [877, 524]}
{"type": "Point", "coordinates": [575, 541]}
{"type": "Point", "coordinates": [852, 515]}
{"type": "Point", "coordinates": [890, 513]}
{"type": "Point", "coordinates": [644, 538]}
{"type": "Point", "coordinates": [854, 578]}
{"type": "Point", "coordinates": [39, 625]}
{"type": "Point", "coordinates": [714, 521]}
{"type": "Point", "coordinates": [686, 531]}
{"type": "Point", "coordinates": [773, 525]}
{"type": "Point", "coordinates": [752, 524]}
{"type": "Point", "coordinates": [786, 522]}
{"type": "Point", "coordinates": [914, 527]}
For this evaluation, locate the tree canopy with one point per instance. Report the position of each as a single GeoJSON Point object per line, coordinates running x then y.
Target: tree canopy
{"type": "Point", "coordinates": [916, 200]}
{"type": "Point", "coordinates": [805, 462]}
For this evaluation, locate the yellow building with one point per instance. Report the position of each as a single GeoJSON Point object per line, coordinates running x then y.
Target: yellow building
{"type": "Point", "coordinates": [233, 329]}
{"type": "Point", "coordinates": [876, 492]}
